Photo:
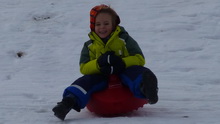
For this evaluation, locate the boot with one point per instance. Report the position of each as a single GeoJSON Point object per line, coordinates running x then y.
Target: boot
{"type": "Point", "coordinates": [149, 87]}
{"type": "Point", "coordinates": [62, 108]}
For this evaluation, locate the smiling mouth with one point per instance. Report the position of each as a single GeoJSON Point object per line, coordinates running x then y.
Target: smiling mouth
{"type": "Point", "coordinates": [103, 32]}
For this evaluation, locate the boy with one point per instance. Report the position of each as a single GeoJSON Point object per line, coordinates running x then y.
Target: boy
{"type": "Point", "coordinates": [110, 50]}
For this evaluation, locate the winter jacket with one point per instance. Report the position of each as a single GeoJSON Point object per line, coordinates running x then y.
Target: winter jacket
{"type": "Point", "coordinates": [120, 42]}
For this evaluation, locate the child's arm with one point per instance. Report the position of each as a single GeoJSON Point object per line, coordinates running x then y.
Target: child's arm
{"type": "Point", "coordinates": [136, 56]}
{"type": "Point", "coordinates": [87, 66]}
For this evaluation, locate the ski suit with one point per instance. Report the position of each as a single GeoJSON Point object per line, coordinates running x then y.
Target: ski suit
{"type": "Point", "coordinates": [92, 80]}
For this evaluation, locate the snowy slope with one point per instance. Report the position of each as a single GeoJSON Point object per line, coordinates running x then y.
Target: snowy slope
{"type": "Point", "coordinates": [180, 40]}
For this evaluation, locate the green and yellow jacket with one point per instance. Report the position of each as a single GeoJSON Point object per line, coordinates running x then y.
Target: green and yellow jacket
{"type": "Point", "coordinates": [120, 42]}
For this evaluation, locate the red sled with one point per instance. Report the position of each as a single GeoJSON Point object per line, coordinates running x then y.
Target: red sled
{"type": "Point", "coordinates": [117, 99]}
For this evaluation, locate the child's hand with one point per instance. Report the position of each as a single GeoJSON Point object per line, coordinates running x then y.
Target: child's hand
{"type": "Point", "coordinates": [109, 63]}
{"type": "Point", "coordinates": [105, 59]}
{"type": "Point", "coordinates": [107, 70]}
{"type": "Point", "coordinates": [109, 58]}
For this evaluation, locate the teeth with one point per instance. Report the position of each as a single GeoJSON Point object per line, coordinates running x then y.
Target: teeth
{"type": "Point", "coordinates": [102, 32]}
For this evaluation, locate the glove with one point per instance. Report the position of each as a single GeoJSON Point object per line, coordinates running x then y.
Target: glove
{"type": "Point", "coordinates": [107, 70]}
{"type": "Point", "coordinates": [104, 59]}
{"type": "Point", "coordinates": [109, 58]}
{"type": "Point", "coordinates": [119, 67]}
{"type": "Point", "coordinates": [109, 63]}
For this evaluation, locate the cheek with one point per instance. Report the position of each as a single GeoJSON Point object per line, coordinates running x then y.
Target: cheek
{"type": "Point", "coordinates": [110, 28]}
{"type": "Point", "coordinates": [96, 30]}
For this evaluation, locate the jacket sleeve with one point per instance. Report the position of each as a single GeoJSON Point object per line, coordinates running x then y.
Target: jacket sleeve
{"type": "Point", "coordinates": [134, 60]}
{"type": "Point", "coordinates": [87, 66]}
{"type": "Point", "coordinates": [136, 56]}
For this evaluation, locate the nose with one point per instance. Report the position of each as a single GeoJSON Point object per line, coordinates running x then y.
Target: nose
{"type": "Point", "coordinates": [102, 26]}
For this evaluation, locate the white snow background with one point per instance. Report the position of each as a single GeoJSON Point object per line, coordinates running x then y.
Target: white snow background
{"type": "Point", "coordinates": [179, 38]}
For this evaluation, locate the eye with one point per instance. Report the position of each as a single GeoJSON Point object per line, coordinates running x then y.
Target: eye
{"type": "Point", "coordinates": [97, 24]}
{"type": "Point", "coordinates": [106, 23]}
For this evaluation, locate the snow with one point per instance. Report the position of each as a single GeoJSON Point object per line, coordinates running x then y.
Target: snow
{"type": "Point", "coordinates": [180, 41]}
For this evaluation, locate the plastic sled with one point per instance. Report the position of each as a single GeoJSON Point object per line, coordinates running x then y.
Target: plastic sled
{"type": "Point", "coordinates": [115, 100]}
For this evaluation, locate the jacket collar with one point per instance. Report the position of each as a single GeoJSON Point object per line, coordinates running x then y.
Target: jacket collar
{"type": "Point", "coordinates": [93, 36]}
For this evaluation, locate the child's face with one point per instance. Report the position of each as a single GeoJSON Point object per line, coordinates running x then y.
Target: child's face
{"type": "Point", "coordinates": [103, 25]}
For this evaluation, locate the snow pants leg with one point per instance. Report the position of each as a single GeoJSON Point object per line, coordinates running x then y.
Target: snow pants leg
{"type": "Point", "coordinates": [134, 76]}
{"type": "Point", "coordinates": [84, 86]}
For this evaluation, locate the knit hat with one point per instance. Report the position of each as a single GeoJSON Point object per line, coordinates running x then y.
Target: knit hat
{"type": "Point", "coordinates": [94, 12]}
